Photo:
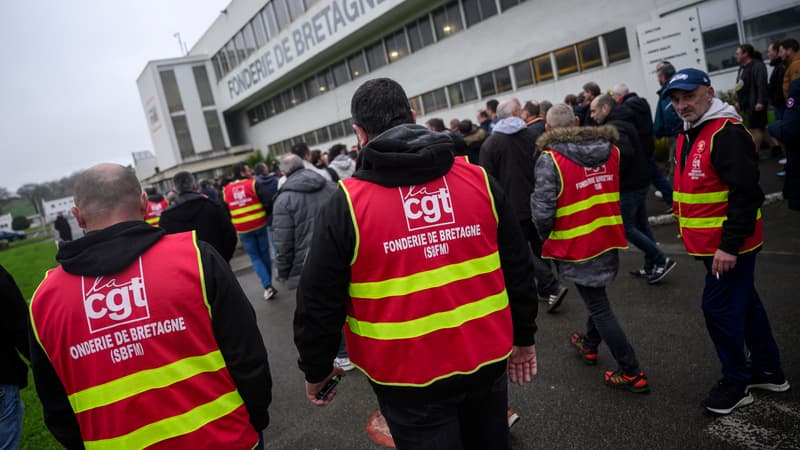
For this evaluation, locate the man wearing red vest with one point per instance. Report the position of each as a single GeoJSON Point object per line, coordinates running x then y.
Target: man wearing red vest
{"type": "Point", "coordinates": [420, 256]}
{"type": "Point", "coordinates": [141, 339]}
{"type": "Point", "coordinates": [250, 205]}
{"type": "Point", "coordinates": [156, 204]}
{"type": "Point", "coordinates": [576, 210]}
{"type": "Point", "coordinates": [717, 204]}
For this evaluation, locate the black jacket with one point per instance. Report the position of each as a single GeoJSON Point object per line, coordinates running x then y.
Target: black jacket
{"type": "Point", "coordinates": [643, 121]}
{"type": "Point", "coordinates": [13, 332]}
{"type": "Point", "coordinates": [193, 211]}
{"type": "Point", "coordinates": [233, 322]}
{"type": "Point", "coordinates": [751, 85]}
{"type": "Point", "coordinates": [775, 84]}
{"type": "Point", "coordinates": [404, 155]}
{"type": "Point", "coordinates": [633, 173]}
{"type": "Point", "coordinates": [511, 160]}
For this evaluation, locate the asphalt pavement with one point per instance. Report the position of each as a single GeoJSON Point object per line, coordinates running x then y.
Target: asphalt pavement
{"type": "Point", "coordinates": [567, 405]}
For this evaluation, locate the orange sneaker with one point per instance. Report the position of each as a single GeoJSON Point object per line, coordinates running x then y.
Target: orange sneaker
{"type": "Point", "coordinates": [588, 354]}
{"type": "Point", "coordinates": [634, 383]}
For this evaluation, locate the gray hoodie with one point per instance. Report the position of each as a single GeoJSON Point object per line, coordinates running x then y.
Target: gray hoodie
{"type": "Point", "coordinates": [589, 147]}
{"type": "Point", "coordinates": [343, 166]}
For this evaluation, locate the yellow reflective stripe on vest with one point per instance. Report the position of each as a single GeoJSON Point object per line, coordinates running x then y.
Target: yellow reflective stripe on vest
{"type": "Point", "coordinates": [172, 426]}
{"type": "Point", "coordinates": [145, 380]}
{"type": "Point", "coordinates": [251, 217]}
{"type": "Point", "coordinates": [588, 203]}
{"type": "Point", "coordinates": [246, 209]}
{"type": "Point", "coordinates": [424, 325]}
{"type": "Point", "coordinates": [707, 222]}
{"type": "Point", "coordinates": [426, 280]}
{"type": "Point", "coordinates": [152, 220]}
{"type": "Point", "coordinates": [586, 229]}
{"type": "Point", "coordinates": [699, 199]}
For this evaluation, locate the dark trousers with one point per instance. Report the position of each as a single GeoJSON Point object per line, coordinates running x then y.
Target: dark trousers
{"type": "Point", "coordinates": [469, 420]}
{"type": "Point", "coordinates": [633, 206]}
{"type": "Point", "coordinates": [546, 281]}
{"type": "Point", "coordinates": [602, 325]}
{"type": "Point", "coordinates": [735, 318]}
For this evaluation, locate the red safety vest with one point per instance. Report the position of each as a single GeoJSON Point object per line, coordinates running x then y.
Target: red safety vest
{"type": "Point", "coordinates": [426, 284]}
{"type": "Point", "coordinates": [137, 356]}
{"type": "Point", "coordinates": [700, 197]}
{"type": "Point", "coordinates": [247, 212]}
{"type": "Point", "coordinates": [588, 222]}
{"type": "Point", "coordinates": [154, 210]}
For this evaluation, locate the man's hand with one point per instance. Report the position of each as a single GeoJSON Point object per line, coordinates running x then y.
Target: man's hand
{"type": "Point", "coordinates": [522, 364]}
{"type": "Point", "coordinates": [723, 262]}
{"type": "Point", "coordinates": [313, 388]}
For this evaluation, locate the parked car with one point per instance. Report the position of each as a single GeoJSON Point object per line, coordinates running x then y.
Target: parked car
{"type": "Point", "coordinates": [11, 236]}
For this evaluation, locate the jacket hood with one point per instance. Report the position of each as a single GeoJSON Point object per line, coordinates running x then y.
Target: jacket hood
{"type": "Point", "coordinates": [108, 251]}
{"type": "Point", "coordinates": [342, 162]}
{"type": "Point", "coordinates": [623, 113]}
{"type": "Point", "coordinates": [509, 125]}
{"type": "Point", "coordinates": [718, 110]}
{"type": "Point", "coordinates": [303, 180]}
{"type": "Point", "coordinates": [406, 154]}
{"type": "Point", "coordinates": [185, 215]}
{"type": "Point", "coordinates": [587, 146]}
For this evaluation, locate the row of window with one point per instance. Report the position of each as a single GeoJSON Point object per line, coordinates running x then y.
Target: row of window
{"type": "Point", "coordinates": [564, 61]}
{"type": "Point", "coordinates": [577, 57]}
{"type": "Point", "coordinates": [413, 36]}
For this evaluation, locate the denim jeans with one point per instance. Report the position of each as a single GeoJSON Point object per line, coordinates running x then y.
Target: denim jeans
{"type": "Point", "coordinates": [465, 420]}
{"type": "Point", "coordinates": [256, 244]}
{"type": "Point", "coordinates": [11, 412]}
{"type": "Point", "coordinates": [736, 318]}
{"type": "Point", "coordinates": [633, 206]}
{"type": "Point", "coordinates": [658, 180]}
{"type": "Point", "coordinates": [602, 325]}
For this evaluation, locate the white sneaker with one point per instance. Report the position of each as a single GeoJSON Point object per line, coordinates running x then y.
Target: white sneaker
{"type": "Point", "coordinates": [658, 194]}
{"type": "Point", "coordinates": [513, 417]}
{"type": "Point", "coordinates": [344, 363]}
{"type": "Point", "coordinates": [782, 161]}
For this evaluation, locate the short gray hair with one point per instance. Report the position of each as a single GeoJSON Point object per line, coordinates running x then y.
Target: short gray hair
{"type": "Point", "coordinates": [183, 182]}
{"type": "Point", "coordinates": [560, 116]}
{"type": "Point", "coordinates": [290, 163]}
{"type": "Point", "coordinates": [509, 108]}
{"type": "Point", "coordinates": [105, 188]}
{"type": "Point", "coordinates": [620, 89]}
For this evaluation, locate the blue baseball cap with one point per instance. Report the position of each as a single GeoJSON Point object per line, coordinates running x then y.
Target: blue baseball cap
{"type": "Point", "coordinates": [686, 80]}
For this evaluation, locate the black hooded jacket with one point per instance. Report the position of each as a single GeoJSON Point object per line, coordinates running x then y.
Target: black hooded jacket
{"type": "Point", "coordinates": [233, 322]}
{"type": "Point", "coordinates": [193, 211]}
{"type": "Point", "coordinates": [633, 173]}
{"type": "Point", "coordinates": [404, 155]}
{"type": "Point", "coordinates": [13, 332]}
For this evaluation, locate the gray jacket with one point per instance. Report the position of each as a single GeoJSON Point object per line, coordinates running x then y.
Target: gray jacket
{"type": "Point", "coordinates": [589, 147]}
{"type": "Point", "coordinates": [296, 206]}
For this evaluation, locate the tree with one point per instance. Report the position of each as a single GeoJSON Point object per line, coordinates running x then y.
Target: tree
{"type": "Point", "coordinates": [20, 223]}
{"type": "Point", "coordinates": [4, 194]}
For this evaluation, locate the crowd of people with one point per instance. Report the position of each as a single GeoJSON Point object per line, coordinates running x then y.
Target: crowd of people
{"type": "Point", "coordinates": [436, 247]}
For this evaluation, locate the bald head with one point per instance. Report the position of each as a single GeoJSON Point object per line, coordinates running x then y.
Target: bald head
{"type": "Point", "coordinates": [509, 108]}
{"type": "Point", "coordinates": [560, 116]}
{"type": "Point", "coordinates": [107, 193]}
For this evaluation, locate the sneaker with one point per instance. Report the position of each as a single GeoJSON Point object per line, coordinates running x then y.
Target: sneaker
{"type": "Point", "coordinates": [660, 271]}
{"type": "Point", "coordinates": [668, 210]}
{"type": "Point", "coordinates": [554, 300]}
{"type": "Point", "coordinates": [634, 383]}
{"type": "Point", "coordinates": [344, 363]}
{"type": "Point", "coordinates": [270, 292]}
{"type": "Point", "coordinates": [588, 354]}
{"type": "Point", "coordinates": [642, 272]}
{"type": "Point", "coordinates": [726, 396]}
{"type": "Point", "coordinates": [782, 173]}
{"type": "Point", "coordinates": [782, 161]}
{"type": "Point", "coordinates": [513, 417]}
{"type": "Point", "coordinates": [658, 194]}
{"type": "Point", "coordinates": [775, 382]}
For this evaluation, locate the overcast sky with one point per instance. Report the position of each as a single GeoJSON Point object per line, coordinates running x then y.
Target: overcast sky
{"type": "Point", "coordinates": [68, 96]}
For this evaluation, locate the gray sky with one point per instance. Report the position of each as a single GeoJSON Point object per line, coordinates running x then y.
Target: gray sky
{"type": "Point", "coordinates": [68, 79]}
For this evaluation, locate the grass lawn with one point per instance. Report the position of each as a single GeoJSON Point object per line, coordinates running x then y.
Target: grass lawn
{"type": "Point", "coordinates": [27, 261]}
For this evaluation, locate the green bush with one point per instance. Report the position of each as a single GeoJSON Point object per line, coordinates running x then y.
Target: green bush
{"type": "Point", "coordinates": [20, 223]}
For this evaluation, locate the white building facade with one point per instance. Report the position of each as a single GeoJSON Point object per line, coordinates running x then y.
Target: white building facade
{"type": "Point", "coordinates": [52, 208]}
{"type": "Point", "coordinates": [284, 71]}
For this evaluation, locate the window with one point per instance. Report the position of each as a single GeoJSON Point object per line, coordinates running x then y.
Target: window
{"type": "Point", "coordinates": [288, 101]}
{"type": "Point", "coordinates": [312, 88]}
{"type": "Point", "coordinates": [310, 138]}
{"type": "Point", "coordinates": [357, 65]}
{"type": "Point", "coordinates": [543, 68]}
{"type": "Point", "coordinates": [277, 105]}
{"type": "Point", "coordinates": [249, 39]}
{"type": "Point", "coordinates": [589, 54]}
{"type": "Point", "coordinates": [299, 94]}
{"type": "Point", "coordinates": [223, 62]}
{"type": "Point", "coordinates": [478, 10]}
{"type": "Point", "coordinates": [502, 80]}
{"type": "Point", "coordinates": [241, 50]}
{"type": "Point", "coordinates": [760, 31]}
{"type": "Point", "coordinates": [323, 135]}
{"type": "Point", "coordinates": [325, 81]}
{"type": "Point", "coordinates": [505, 4]}
{"type": "Point", "coordinates": [488, 8]}
{"type": "Point", "coordinates": [214, 130]}
{"type": "Point", "coordinates": [434, 100]}
{"type": "Point", "coordinates": [486, 85]}
{"type": "Point", "coordinates": [296, 8]}
{"type": "Point", "coordinates": [259, 30]}
{"type": "Point", "coordinates": [203, 86]}
{"type": "Point", "coordinates": [233, 60]}
{"type": "Point", "coordinates": [616, 45]}
{"type": "Point", "coordinates": [523, 73]}
{"type": "Point", "coordinates": [469, 90]}
{"type": "Point", "coordinates": [217, 66]}
{"type": "Point", "coordinates": [447, 20]}
{"type": "Point", "coordinates": [269, 108]}
{"type": "Point", "coordinates": [340, 73]}
{"type": "Point", "coordinates": [270, 22]}
{"type": "Point", "coordinates": [420, 33]}
{"type": "Point", "coordinates": [396, 45]}
{"type": "Point", "coordinates": [566, 61]}
{"type": "Point", "coordinates": [376, 56]}
{"type": "Point", "coordinates": [252, 117]}
{"type": "Point", "coordinates": [281, 14]}
{"type": "Point", "coordinates": [183, 136]}
{"type": "Point", "coordinates": [454, 91]}
{"type": "Point", "coordinates": [337, 130]}
{"type": "Point", "coordinates": [170, 86]}
{"type": "Point", "coordinates": [415, 104]}
{"type": "Point", "coordinates": [261, 112]}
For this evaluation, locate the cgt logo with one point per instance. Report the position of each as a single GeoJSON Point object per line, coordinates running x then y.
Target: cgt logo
{"type": "Point", "coordinates": [428, 205]}
{"type": "Point", "coordinates": [594, 171]}
{"type": "Point", "coordinates": [113, 301]}
{"type": "Point", "coordinates": [239, 193]}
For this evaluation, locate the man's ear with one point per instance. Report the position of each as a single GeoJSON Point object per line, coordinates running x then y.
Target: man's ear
{"type": "Point", "coordinates": [413, 115]}
{"type": "Point", "coordinates": [361, 134]}
{"type": "Point", "coordinates": [547, 127]}
{"type": "Point", "coordinates": [577, 121]}
{"type": "Point", "coordinates": [143, 205]}
{"type": "Point", "coordinates": [78, 216]}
